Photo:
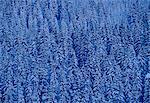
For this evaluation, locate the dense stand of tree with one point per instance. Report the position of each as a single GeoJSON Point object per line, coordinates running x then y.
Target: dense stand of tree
{"type": "Point", "coordinates": [74, 51]}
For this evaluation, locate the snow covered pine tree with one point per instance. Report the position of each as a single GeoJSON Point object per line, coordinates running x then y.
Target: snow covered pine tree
{"type": "Point", "coordinates": [74, 51]}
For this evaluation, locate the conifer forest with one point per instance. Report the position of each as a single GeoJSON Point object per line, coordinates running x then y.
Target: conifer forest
{"type": "Point", "coordinates": [74, 51]}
